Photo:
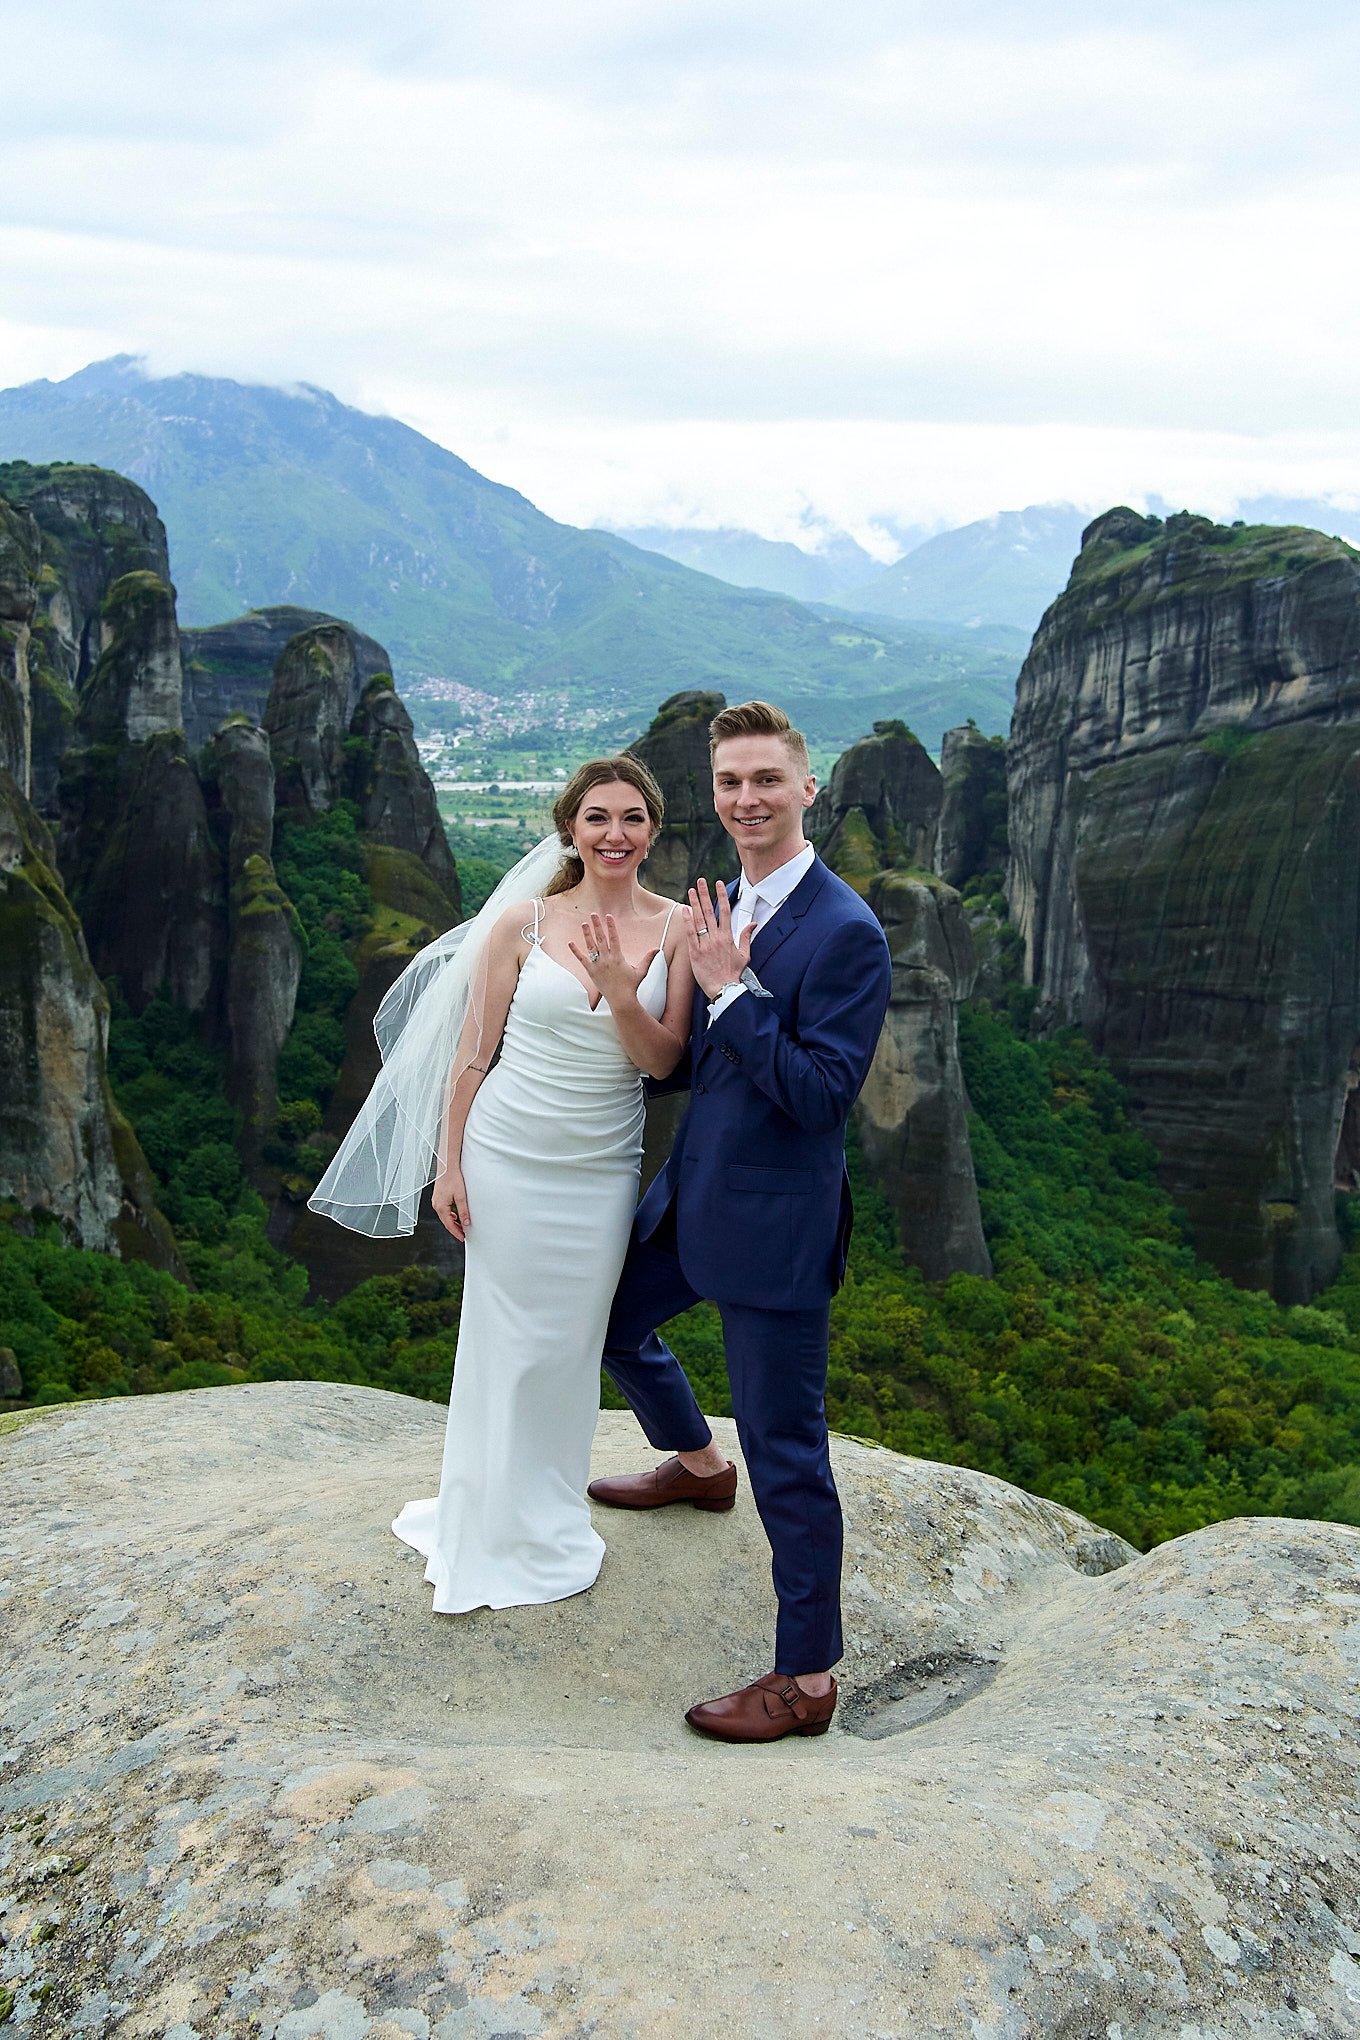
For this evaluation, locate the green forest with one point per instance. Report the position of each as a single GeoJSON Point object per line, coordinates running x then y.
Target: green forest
{"type": "Point", "coordinates": [1104, 1365]}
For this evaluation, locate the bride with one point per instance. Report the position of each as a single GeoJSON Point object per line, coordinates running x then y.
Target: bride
{"type": "Point", "coordinates": [513, 1055]}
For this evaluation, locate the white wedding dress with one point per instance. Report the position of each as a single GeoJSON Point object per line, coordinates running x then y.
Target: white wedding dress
{"type": "Point", "coordinates": [551, 1156]}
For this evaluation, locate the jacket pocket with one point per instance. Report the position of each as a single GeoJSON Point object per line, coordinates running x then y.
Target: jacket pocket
{"type": "Point", "coordinates": [769, 1182]}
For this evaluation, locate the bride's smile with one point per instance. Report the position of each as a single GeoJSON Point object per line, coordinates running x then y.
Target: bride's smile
{"type": "Point", "coordinates": [613, 833]}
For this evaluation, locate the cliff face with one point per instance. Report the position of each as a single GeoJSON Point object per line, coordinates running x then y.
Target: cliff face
{"type": "Point", "coordinates": [881, 807]}
{"type": "Point", "coordinates": [229, 667]}
{"type": "Point", "coordinates": [264, 949]}
{"type": "Point", "coordinates": [971, 837]}
{"type": "Point", "coordinates": [876, 825]}
{"type": "Point", "coordinates": [140, 862]}
{"type": "Point", "coordinates": [370, 758]}
{"type": "Point", "coordinates": [1184, 814]}
{"type": "Point", "coordinates": [693, 843]}
{"type": "Point", "coordinates": [20, 558]}
{"type": "Point", "coordinates": [913, 1111]}
{"type": "Point", "coordinates": [64, 1147]}
{"type": "Point", "coordinates": [167, 859]}
{"type": "Point", "coordinates": [397, 804]}
{"type": "Point", "coordinates": [315, 691]}
{"type": "Point", "coordinates": [94, 527]}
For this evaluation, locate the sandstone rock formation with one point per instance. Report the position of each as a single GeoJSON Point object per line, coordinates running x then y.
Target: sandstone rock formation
{"type": "Point", "coordinates": [229, 667]}
{"type": "Point", "coordinates": [253, 1785]}
{"type": "Point", "coordinates": [881, 807]}
{"type": "Point", "coordinates": [912, 1114]}
{"type": "Point", "coordinates": [133, 692]}
{"type": "Point", "coordinates": [1184, 820]}
{"type": "Point", "coordinates": [20, 558]}
{"type": "Point", "coordinates": [693, 843]}
{"type": "Point", "coordinates": [971, 837]}
{"type": "Point", "coordinates": [316, 688]}
{"type": "Point", "coordinates": [64, 1147]}
{"type": "Point", "coordinates": [94, 528]}
{"type": "Point", "coordinates": [170, 868]}
{"type": "Point", "coordinates": [876, 824]}
{"type": "Point", "coordinates": [396, 800]}
{"type": "Point", "coordinates": [139, 859]}
{"type": "Point", "coordinates": [264, 948]}
{"type": "Point", "coordinates": [372, 760]}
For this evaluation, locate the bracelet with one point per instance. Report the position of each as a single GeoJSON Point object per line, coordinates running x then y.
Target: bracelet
{"type": "Point", "coordinates": [481, 1068]}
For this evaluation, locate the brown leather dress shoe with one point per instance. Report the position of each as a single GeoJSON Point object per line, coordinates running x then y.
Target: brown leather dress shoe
{"type": "Point", "coordinates": [773, 1707]}
{"type": "Point", "coordinates": [669, 1482]}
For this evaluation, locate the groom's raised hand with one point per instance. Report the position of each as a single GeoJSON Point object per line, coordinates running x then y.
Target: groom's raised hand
{"type": "Point", "coordinates": [714, 957]}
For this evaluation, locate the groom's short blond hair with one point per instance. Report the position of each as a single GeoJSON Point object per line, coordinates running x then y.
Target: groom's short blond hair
{"type": "Point", "coordinates": [758, 719]}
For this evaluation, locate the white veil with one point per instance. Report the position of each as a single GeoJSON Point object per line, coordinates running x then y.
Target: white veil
{"type": "Point", "coordinates": [429, 1028]}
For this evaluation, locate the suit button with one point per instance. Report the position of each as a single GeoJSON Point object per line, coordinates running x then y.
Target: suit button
{"type": "Point", "coordinates": [699, 1088]}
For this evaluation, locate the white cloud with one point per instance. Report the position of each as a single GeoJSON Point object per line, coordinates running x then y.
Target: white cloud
{"type": "Point", "coordinates": [747, 257]}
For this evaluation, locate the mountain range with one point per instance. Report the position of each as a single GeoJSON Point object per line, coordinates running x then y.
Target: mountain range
{"type": "Point", "coordinates": [749, 561]}
{"type": "Point", "coordinates": [1001, 571]}
{"type": "Point", "coordinates": [290, 497]}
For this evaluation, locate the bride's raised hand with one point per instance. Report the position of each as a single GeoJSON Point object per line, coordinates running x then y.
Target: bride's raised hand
{"type": "Point", "coordinates": [601, 957]}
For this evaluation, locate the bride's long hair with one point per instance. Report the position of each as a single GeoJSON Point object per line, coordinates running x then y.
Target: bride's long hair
{"type": "Point", "coordinates": [572, 798]}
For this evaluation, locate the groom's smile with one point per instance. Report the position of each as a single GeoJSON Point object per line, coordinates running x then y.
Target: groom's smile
{"type": "Point", "coordinates": [760, 793]}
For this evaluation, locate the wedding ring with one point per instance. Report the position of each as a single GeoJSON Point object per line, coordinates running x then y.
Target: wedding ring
{"type": "Point", "coordinates": [699, 934]}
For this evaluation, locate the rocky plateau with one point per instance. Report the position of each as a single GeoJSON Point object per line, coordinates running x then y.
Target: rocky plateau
{"type": "Point", "coordinates": [251, 1786]}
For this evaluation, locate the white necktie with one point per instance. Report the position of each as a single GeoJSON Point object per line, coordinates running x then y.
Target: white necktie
{"type": "Point", "coordinates": [745, 911]}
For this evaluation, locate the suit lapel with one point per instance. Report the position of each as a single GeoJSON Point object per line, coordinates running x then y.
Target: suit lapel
{"type": "Point", "coordinates": [785, 919]}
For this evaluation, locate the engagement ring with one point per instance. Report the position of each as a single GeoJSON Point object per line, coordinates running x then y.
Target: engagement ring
{"type": "Point", "coordinates": [592, 956]}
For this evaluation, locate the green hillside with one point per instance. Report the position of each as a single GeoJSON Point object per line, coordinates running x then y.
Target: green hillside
{"type": "Point", "coordinates": [289, 496]}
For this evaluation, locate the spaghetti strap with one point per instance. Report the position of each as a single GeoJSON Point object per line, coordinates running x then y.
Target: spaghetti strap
{"type": "Point", "coordinates": [532, 934]}
{"type": "Point", "coordinates": [665, 930]}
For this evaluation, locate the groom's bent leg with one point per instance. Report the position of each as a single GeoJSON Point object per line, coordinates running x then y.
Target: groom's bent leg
{"type": "Point", "coordinates": [652, 1289]}
{"type": "Point", "coordinates": [777, 1362]}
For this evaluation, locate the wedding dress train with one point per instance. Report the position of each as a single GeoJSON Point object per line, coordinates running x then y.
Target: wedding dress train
{"type": "Point", "coordinates": [551, 1155]}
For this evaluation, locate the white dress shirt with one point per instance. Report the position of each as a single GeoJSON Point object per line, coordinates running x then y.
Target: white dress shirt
{"type": "Point", "coordinates": [755, 904]}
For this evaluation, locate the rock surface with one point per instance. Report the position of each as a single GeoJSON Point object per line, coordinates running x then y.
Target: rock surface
{"type": "Point", "coordinates": [138, 856]}
{"type": "Point", "coordinates": [253, 1786]}
{"type": "Point", "coordinates": [64, 1147]}
{"type": "Point", "coordinates": [229, 667]}
{"type": "Point", "coordinates": [94, 527]}
{"type": "Point", "coordinates": [881, 807]}
{"type": "Point", "coordinates": [134, 691]}
{"type": "Point", "coordinates": [971, 837]}
{"type": "Point", "coordinates": [693, 843]}
{"type": "Point", "coordinates": [316, 688]}
{"type": "Point", "coordinates": [1184, 815]}
{"type": "Point", "coordinates": [411, 874]}
{"type": "Point", "coordinates": [264, 945]}
{"type": "Point", "coordinates": [395, 796]}
{"type": "Point", "coordinates": [20, 558]}
{"type": "Point", "coordinates": [912, 1114]}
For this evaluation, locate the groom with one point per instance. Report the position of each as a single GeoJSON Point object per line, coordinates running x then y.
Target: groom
{"type": "Point", "coordinates": [753, 1208]}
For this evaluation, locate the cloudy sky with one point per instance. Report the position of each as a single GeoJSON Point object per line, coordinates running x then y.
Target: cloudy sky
{"type": "Point", "coordinates": [761, 262]}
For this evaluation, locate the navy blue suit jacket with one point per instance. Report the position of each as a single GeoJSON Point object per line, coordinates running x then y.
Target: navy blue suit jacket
{"type": "Point", "coordinates": [758, 1168]}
